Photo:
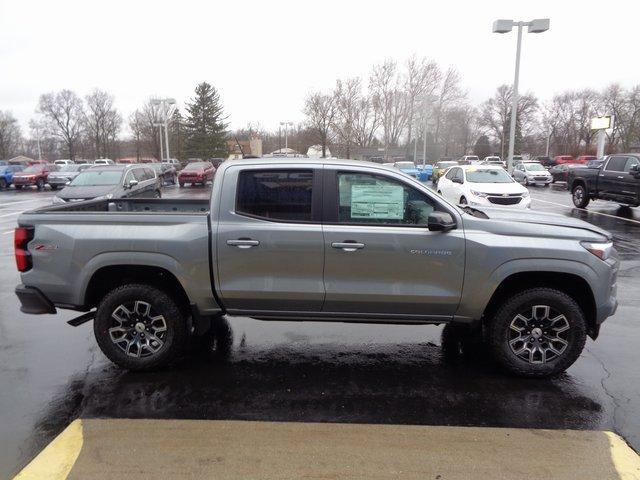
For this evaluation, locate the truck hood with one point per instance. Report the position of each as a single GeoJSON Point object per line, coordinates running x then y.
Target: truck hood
{"type": "Point", "coordinates": [527, 218]}
{"type": "Point", "coordinates": [69, 193]}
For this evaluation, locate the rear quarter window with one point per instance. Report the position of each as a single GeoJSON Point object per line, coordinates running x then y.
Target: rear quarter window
{"type": "Point", "coordinates": [281, 195]}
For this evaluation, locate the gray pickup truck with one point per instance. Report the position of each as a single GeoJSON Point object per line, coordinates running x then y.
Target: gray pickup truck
{"type": "Point", "coordinates": [329, 240]}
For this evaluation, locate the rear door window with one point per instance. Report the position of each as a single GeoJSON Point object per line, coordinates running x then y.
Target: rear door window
{"type": "Point", "coordinates": [281, 195]}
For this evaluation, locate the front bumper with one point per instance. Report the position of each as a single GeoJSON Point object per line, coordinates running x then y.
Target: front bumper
{"type": "Point", "coordinates": [533, 181]}
{"type": "Point", "coordinates": [474, 201]}
{"type": "Point", "coordinates": [58, 181]}
{"type": "Point", "coordinates": [24, 181]}
{"type": "Point", "coordinates": [33, 301]}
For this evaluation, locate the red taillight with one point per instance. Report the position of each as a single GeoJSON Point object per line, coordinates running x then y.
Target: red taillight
{"type": "Point", "coordinates": [21, 238]}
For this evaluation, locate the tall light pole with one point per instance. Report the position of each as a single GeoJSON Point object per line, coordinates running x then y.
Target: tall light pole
{"type": "Point", "coordinates": [538, 25]}
{"type": "Point", "coordinates": [167, 107]}
{"type": "Point", "coordinates": [286, 133]}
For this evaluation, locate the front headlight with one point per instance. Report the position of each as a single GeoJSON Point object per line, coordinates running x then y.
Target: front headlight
{"type": "Point", "coordinates": [525, 194]}
{"type": "Point", "coordinates": [108, 196]}
{"type": "Point", "coordinates": [600, 250]}
{"type": "Point", "coordinates": [479, 194]}
{"type": "Point", "coordinates": [55, 200]}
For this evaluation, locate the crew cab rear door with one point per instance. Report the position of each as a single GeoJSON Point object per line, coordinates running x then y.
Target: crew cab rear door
{"type": "Point", "coordinates": [380, 257]}
{"type": "Point", "coordinates": [269, 241]}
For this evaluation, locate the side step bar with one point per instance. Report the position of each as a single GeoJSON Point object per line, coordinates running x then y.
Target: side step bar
{"type": "Point", "coordinates": [76, 322]}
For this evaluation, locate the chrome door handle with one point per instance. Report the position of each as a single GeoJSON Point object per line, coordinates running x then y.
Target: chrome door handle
{"type": "Point", "coordinates": [620, 176]}
{"type": "Point", "coordinates": [348, 246]}
{"type": "Point", "coordinates": [243, 243]}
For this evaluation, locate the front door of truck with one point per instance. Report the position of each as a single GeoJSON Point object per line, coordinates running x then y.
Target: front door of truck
{"type": "Point", "coordinates": [269, 244]}
{"type": "Point", "coordinates": [611, 178]}
{"type": "Point", "coordinates": [380, 257]}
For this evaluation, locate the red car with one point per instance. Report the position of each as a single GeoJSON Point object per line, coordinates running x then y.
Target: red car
{"type": "Point", "coordinates": [196, 172]}
{"type": "Point", "coordinates": [34, 175]}
{"type": "Point", "coordinates": [560, 159]}
{"type": "Point", "coordinates": [585, 158]}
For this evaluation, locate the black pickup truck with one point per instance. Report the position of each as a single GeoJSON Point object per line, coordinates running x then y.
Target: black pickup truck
{"type": "Point", "coordinates": [618, 180]}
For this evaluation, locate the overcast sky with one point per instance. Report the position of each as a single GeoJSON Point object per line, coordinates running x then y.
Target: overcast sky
{"type": "Point", "coordinates": [265, 56]}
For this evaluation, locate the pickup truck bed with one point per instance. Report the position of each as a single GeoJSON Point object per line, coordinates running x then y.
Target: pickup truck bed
{"type": "Point", "coordinates": [128, 205]}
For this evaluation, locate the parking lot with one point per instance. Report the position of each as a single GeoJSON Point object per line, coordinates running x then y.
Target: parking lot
{"type": "Point", "coordinates": [52, 373]}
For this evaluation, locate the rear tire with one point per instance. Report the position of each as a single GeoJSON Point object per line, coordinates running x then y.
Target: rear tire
{"type": "Point", "coordinates": [3, 183]}
{"type": "Point", "coordinates": [579, 196]}
{"type": "Point", "coordinates": [18, 187]}
{"type": "Point", "coordinates": [538, 332]}
{"type": "Point", "coordinates": [137, 337]}
{"type": "Point", "coordinates": [181, 185]}
{"type": "Point", "coordinates": [53, 187]}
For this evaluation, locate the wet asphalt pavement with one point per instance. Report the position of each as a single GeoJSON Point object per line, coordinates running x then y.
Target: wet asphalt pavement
{"type": "Point", "coordinates": [51, 373]}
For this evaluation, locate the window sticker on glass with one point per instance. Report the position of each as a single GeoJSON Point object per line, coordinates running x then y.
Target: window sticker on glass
{"type": "Point", "coordinates": [377, 201]}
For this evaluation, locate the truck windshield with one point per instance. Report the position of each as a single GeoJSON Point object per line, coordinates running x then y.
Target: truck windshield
{"type": "Point", "coordinates": [488, 175]}
{"type": "Point", "coordinates": [92, 178]}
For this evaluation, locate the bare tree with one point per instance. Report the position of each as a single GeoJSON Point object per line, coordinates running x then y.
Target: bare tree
{"type": "Point", "coordinates": [447, 94]}
{"type": "Point", "coordinates": [495, 116]}
{"type": "Point", "coordinates": [366, 122]}
{"type": "Point", "coordinates": [136, 125]}
{"type": "Point", "coordinates": [103, 122]}
{"type": "Point", "coordinates": [10, 135]}
{"type": "Point", "coordinates": [320, 110]}
{"type": "Point", "coordinates": [347, 96]}
{"type": "Point", "coordinates": [390, 100]}
{"type": "Point", "coordinates": [65, 117]}
{"type": "Point", "coordinates": [421, 80]}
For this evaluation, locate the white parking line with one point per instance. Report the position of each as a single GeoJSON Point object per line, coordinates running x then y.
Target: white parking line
{"type": "Point", "coordinates": [589, 211]}
{"type": "Point", "coordinates": [7, 232]}
{"type": "Point", "coordinates": [9, 214]}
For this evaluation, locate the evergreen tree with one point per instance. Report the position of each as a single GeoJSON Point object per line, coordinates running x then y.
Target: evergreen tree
{"type": "Point", "coordinates": [205, 125]}
{"type": "Point", "coordinates": [482, 148]}
{"type": "Point", "coordinates": [177, 137]}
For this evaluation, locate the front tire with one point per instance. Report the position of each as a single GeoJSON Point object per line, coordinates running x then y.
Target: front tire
{"type": "Point", "coordinates": [539, 332]}
{"type": "Point", "coordinates": [3, 183]}
{"type": "Point", "coordinates": [40, 184]}
{"type": "Point", "coordinates": [140, 327]}
{"type": "Point", "coordinates": [579, 196]}
{"type": "Point", "coordinates": [18, 187]}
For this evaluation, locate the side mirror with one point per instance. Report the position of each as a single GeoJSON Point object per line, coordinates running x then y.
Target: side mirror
{"type": "Point", "coordinates": [132, 183]}
{"type": "Point", "coordinates": [440, 222]}
{"type": "Point", "coordinates": [635, 170]}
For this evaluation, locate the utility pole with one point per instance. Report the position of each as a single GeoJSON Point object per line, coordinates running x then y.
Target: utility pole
{"type": "Point", "coordinates": [166, 108]}
{"type": "Point", "coordinates": [504, 26]}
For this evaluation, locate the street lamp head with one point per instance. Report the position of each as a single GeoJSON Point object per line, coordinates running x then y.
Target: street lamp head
{"type": "Point", "coordinates": [171, 101]}
{"type": "Point", "coordinates": [539, 25]}
{"type": "Point", "coordinates": [502, 26]}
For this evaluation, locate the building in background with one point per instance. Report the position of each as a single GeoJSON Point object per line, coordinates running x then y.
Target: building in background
{"type": "Point", "coordinates": [250, 148]}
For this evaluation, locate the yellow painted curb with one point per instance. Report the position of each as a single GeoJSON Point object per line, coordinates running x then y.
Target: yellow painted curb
{"type": "Point", "coordinates": [57, 459]}
{"type": "Point", "coordinates": [625, 460]}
